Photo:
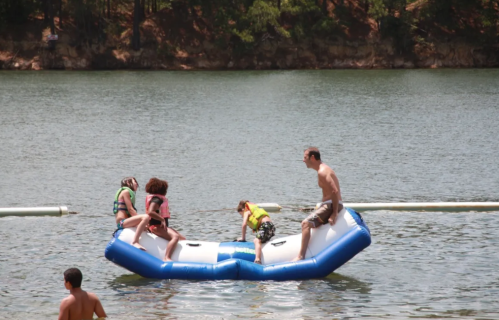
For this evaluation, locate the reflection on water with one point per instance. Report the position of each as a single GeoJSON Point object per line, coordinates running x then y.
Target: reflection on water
{"type": "Point", "coordinates": [172, 298]}
{"type": "Point", "coordinates": [68, 138]}
{"type": "Point", "coordinates": [340, 282]}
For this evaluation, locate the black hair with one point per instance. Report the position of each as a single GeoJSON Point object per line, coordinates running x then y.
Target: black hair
{"type": "Point", "coordinates": [73, 276]}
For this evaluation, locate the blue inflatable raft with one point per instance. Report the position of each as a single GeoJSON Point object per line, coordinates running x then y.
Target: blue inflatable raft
{"type": "Point", "coordinates": [329, 248]}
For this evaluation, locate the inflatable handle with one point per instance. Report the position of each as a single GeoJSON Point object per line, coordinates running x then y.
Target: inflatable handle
{"type": "Point", "coordinates": [279, 243]}
{"type": "Point", "coordinates": [193, 244]}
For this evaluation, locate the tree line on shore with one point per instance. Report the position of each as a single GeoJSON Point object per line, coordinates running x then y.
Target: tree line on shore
{"type": "Point", "coordinates": [406, 22]}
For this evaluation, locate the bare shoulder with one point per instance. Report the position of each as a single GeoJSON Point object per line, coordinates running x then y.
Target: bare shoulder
{"type": "Point", "coordinates": [68, 300]}
{"type": "Point", "coordinates": [325, 170]}
{"type": "Point", "coordinates": [92, 296]}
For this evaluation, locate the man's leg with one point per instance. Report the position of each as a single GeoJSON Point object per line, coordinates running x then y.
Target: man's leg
{"type": "Point", "coordinates": [306, 225]}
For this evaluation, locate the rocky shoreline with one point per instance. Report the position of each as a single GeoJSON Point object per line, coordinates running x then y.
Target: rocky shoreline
{"type": "Point", "coordinates": [35, 54]}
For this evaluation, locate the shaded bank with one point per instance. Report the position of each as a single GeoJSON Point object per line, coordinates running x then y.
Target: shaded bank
{"type": "Point", "coordinates": [184, 37]}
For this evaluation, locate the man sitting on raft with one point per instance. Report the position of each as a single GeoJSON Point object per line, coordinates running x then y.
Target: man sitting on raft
{"type": "Point", "coordinates": [331, 198]}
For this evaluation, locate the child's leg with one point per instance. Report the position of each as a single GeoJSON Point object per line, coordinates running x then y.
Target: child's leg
{"type": "Point", "coordinates": [258, 250]}
{"type": "Point", "coordinates": [141, 222]}
{"type": "Point", "coordinates": [172, 238]}
{"type": "Point", "coordinates": [180, 237]}
{"type": "Point", "coordinates": [171, 244]}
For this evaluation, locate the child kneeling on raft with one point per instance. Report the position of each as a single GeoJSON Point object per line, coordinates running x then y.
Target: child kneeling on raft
{"type": "Point", "coordinates": [157, 208]}
{"type": "Point", "coordinates": [259, 221]}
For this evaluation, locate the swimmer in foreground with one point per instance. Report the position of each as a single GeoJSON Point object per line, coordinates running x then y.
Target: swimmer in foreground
{"type": "Point", "coordinates": [79, 304]}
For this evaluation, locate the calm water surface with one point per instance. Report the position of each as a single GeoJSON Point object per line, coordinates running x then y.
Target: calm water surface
{"type": "Point", "coordinates": [68, 138]}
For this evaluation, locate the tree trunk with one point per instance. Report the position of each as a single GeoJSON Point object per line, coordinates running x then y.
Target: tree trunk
{"type": "Point", "coordinates": [324, 7]}
{"type": "Point", "coordinates": [51, 22]}
{"type": "Point", "coordinates": [136, 22]}
{"type": "Point", "coordinates": [142, 10]}
{"type": "Point", "coordinates": [60, 14]}
{"type": "Point", "coordinates": [279, 5]}
{"type": "Point", "coordinates": [109, 9]}
{"type": "Point", "coordinates": [45, 10]}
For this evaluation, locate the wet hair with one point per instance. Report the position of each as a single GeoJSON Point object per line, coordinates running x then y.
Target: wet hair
{"type": "Point", "coordinates": [128, 182]}
{"type": "Point", "coordinates": [242, 205]}
{"type": "Point", "coordinates": [73, 276]}
{"type": "Point", "coordinates": [313, 151]}
{"type": "Point", "coordinates": [157, 186]}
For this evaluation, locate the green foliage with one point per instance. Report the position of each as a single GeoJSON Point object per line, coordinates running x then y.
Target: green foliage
{"type": "Point", "coordinates": [298, 32]}
{"type": "Point", "coordinates": [325, 26]}
{"type": "Point", "coordinates": [244, 35]}
{"type": "Point", "coordinates": [242, 23]}
{"type": "Point", "coordinates": [260, 17]}
{"type": "Point", "coordinates": [377, 9]}
{"type": "Point", "coordinates": [261, 14]}
{"type": "Point", "coordinates": [300, 7]}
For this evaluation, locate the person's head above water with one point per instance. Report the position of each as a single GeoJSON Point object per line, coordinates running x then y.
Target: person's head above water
{"type": "Point", "coordinates": [157, 186]}
{"type": "Point", "coordinates": [74, 277]}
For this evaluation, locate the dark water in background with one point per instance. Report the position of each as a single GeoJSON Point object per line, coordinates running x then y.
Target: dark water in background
{"type": "Point", "coordinates": [68, 138]}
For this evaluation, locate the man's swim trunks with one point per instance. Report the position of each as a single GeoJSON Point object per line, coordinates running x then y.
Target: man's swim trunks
{"type": "Point", "coordinates": [265, 232]}
{"type": "Point", "coordinates": [322, 214]}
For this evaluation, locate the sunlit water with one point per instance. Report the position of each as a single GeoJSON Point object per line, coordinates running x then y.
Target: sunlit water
{"type": "Point", "coordinates": [68, 138]}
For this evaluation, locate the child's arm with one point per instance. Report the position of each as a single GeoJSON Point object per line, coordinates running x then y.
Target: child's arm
{"type": "Point", "coordinates": [128, 202]}
{"type": "Point", "coordinates": [245, 223]}
{"type": "Point", "coordinates": [152, 213]}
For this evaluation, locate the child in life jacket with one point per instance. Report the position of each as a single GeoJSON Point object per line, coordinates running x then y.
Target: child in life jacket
{"type": "Point", "coordinates": [157, 208]}
{"type": "Point", "coordinates": [124, 209]}
{"type": "Point", "coordinates": [259, 221]}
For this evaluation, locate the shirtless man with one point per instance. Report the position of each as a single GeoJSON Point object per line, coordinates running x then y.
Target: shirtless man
{"type": "Point", "coordinates": [79, 304]}
{"type": "Point", "coordinates": [331, 198]}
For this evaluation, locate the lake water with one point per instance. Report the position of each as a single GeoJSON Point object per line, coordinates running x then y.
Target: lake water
{"type": "Point", "coordinates": [68, 138]}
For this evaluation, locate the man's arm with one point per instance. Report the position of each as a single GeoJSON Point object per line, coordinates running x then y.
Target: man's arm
{"type": "Point", "coordinates": [99, 310]}
{"type": "Point", "coordinates": [64, 310]}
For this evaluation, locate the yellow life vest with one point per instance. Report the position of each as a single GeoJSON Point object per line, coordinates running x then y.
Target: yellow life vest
{"type": "Point", "coordinates": [256, 216]}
